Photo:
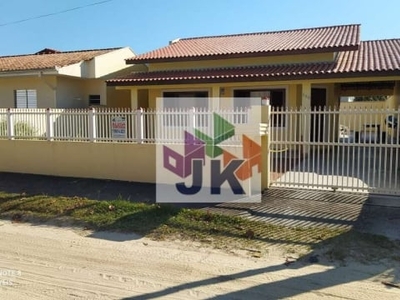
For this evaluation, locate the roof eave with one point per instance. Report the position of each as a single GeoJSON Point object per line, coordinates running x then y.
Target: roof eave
{"type": "Point", "coordinates": [33, 72]}
{"type": "Point", "coordinates": [135, 60]}
{"type": "Point", "coordinates": [227, 79]}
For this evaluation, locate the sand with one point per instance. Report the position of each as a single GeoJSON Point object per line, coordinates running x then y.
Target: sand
{"type": "Point", "coordinates": [42, 262]}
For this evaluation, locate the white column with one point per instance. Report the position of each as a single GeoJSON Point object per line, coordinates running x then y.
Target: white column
{"type": "Point", "coordinates": [306, 123]}
{"type": "Point", "coordinates": [134, 98]}
{"type": "Point", "coordinates": [215, 95]}
{"type": "Point", "coordinates": [306, 95]}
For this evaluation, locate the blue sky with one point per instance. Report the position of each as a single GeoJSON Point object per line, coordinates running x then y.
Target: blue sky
{"type": "Point", "coordinates": [148, 24]}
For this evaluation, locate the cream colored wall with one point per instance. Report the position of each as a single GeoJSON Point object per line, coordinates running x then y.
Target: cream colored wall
{"type": "Point", "coordinates": [252, 61]}
{"type": "Point", "coordinates": [70, 93]}
{"type": "Point", "coordinates": [81, 69]}
{"type": "Point", "coordinates": [127, 162]}
{"type": "Point", "coordinates": [44, 87]}
{"type": "Point", "coordinates": [95, 87]}
{"type": "Point", "coordinates": [100, 66]}
{"type": "Point", "coordinates": [112, 62]}
{"type": "Point", "coordinates": [74, 92]}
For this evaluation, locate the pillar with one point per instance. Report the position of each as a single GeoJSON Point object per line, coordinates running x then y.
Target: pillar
{"type": "Point", "coordinates": [215, 98]}
{"type": "Point", "coordinates": [306, 122]}
{"type": "Point", "coordinates": [265, 151]}
{"type": "Point", "coordinates": [134, 98]}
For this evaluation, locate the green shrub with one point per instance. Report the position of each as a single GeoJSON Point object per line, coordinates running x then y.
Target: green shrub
{"type": "Point", "coordinates": [3, 128]}
{"type": "Point", "coordinates": [20, 129]}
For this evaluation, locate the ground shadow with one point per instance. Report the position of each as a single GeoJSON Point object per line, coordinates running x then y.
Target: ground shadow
{"type": "Point", "coordinates": [114, 236]}
{"type": "Point", "coordinates": [81, 187]}
{"type": "Point", "coordinates": [336, 257]}
{"type": "Point", "coordinates": [281, 289]}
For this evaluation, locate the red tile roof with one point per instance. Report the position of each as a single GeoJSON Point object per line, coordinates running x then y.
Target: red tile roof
{"type": "Point", "coordinates": [381, 57]}
{"type": "Point", "coordinates": [48, 59]}
{"type": "Point", "coordinates": [322, 39]}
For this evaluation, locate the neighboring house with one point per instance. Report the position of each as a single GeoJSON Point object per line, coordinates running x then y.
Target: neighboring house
{"type": "Point", "coordinates": [58, 79]}
{"type": "Point", "coordinates": [304, 67]}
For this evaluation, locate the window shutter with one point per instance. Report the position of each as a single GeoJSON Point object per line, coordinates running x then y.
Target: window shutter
{"type": "Point", "coordinates": [32, 100]}
{"type": "Point", "coordinates": [20, 99]}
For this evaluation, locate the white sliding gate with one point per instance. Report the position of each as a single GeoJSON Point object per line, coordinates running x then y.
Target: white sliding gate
{"type": "Point", "coordinates": [349, 150]}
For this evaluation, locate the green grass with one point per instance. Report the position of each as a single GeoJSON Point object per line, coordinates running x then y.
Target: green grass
{"type": "Point", "coordinates": [168, 222]}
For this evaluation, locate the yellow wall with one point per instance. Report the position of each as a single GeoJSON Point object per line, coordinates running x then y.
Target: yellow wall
{"type": "Point", "coordinates": [291, 92]}
{"type": "Point", "coordinates": [365, 92]}
{"type": "Point", "coordinates": [352, 119]}
{"type": "Point", "coordinates": [44, 87]}
{"type": "Point", "coordinates": [127, 162]}
{"type": "Point", "coordinates": [252, 61]}
{"type": "Point", "coordinates": [118, 98]}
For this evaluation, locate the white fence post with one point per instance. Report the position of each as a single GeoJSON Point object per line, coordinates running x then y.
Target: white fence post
{"type": "Point", "coordinates": [192, 118]}
{"type": "Point", "coordinates": [92, 124]}
{"type": "Point", "coordinates": [266, 150]}
{"type": "Point", "coordinates": [10, 124]}
{"type": "Point", "coordinates": [139, 126]}
{"type": "Point", "coordinates": [49, 125]}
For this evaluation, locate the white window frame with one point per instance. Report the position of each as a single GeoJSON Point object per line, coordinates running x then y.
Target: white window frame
{"type": "Point", "coordinates": [29, 101]}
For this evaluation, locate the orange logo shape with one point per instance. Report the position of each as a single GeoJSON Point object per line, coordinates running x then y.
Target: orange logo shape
{"type": "Point", "coordinates": [251, 155]}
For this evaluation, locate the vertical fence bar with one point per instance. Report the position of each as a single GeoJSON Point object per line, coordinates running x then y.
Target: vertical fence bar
{"type": "Point", "coordinates": [92, 125]}
{"type": "Point", "coordinates": [49, 125]}
{"type": "Point", "coordinates": [139, 126]}
{"type": "Point", "coordinates": [10, 124]}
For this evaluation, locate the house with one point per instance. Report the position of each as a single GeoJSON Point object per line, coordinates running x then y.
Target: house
{"type": "Point", "coordinates": [312, 67]}
{"type": "Point", "coordinates": [61, 79]}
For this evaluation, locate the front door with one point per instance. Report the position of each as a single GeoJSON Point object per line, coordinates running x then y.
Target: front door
{"type": "Point", "coordinates": [318, 102]}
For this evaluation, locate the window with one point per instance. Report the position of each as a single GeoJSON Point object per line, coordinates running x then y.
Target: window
{"type": "Point", "coordinates": [94, 99]}
{"type": "Point", "coordinates": [25, 99]}
{"type": "Point", "coordinates": [276, 99]}
{"type": "Point", "coordinates": [185, 101]}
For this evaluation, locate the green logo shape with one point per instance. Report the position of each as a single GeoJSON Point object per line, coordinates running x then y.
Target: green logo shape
{"type": "Point", "coordinates": [223, 130]}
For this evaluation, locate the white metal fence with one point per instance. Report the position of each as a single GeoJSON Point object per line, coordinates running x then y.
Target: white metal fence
{"type": "Point", "coordinates": [113, 124]}
{"type": "Point", "coordinates": [349, 150]}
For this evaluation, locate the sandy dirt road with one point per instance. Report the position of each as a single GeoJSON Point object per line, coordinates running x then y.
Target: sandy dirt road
{"type": "Point", "coordinates": [39, 262]}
